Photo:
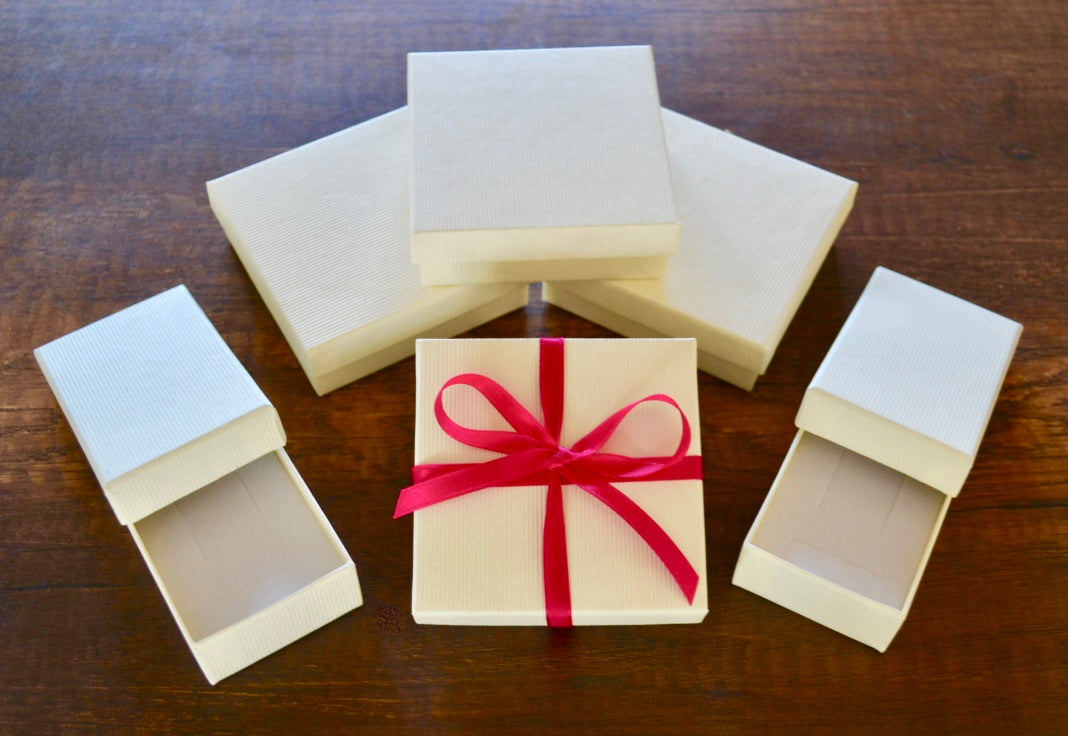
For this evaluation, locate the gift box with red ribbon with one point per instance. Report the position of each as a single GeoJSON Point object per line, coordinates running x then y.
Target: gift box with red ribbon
{"type": "Point", "coordinates": [557, 481]}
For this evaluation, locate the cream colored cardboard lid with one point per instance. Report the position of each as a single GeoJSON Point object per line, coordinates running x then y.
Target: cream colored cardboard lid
{"type": "Point", "coordinates": [756, 226]}
{"type": "Point", "coordinates": [158, 402]}
{"type": "Point", "coordinates": [539, 154]}
{"type": "Point", "coordinates": [323, 232]}
{"type": "Point", "coordinates": [477, 559]}
{"type": "Point", "coordinates": [911, 380]}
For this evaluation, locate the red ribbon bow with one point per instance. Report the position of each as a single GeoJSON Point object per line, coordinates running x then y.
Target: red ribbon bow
{"type": "Point", "coordinates": [532, 455]}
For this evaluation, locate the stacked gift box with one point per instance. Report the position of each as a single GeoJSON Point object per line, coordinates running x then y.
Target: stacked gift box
{"type": "Point", "coordinates": [555, 481]}
{"type": "Point", "coordinates": [513, 167]}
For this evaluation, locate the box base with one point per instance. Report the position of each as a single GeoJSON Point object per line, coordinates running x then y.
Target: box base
{"type": "Point", "coordinates": [708, 362]}
{"type": "Point", "coordinates": [365, 365]}
{"type": "Point", "coordinates": [489, 272]}
{"type": "Point", "coordinates": [247, 565]}
{"type": "Point", "coordinates": [842, 540]}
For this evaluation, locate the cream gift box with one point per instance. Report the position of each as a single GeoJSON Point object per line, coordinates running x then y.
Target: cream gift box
{"type": "Point", "coordinates": [889, 428]}
{"type": "Point", "coordinates": [483, 558]}
{"type": "Point", "coordinates": [756, 225]}
{"type": "Point", "coordinates": [538, 164]}
{"type": "Point", "coordinates": [189, 453]}
{"type": "Point", "coordinates": [323, 232]}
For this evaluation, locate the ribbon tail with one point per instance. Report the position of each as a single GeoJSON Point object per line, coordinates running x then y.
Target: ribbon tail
{"type": "Point", "coordinates": [554, 559]}
{"type": "Point", "coordinates": [653, 534]}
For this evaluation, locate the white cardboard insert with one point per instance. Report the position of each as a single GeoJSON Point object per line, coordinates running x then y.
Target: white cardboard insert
{"type": "Point", "coordinates": [538, 164]}
{"type": "Point", "coordinates": [843, 536]}
{"type": "Point", "coordinates": [323, 232]}
{"type": "Point", "coordinates": [756, 225]}
{"type": "Point", "coordinates": [477, 558]}
{"type": "Point", "coordinates": [242, 554]}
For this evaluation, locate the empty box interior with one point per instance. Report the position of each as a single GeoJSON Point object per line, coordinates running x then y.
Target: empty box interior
{"type": "Point", "coordinates": [851, 521]}
{"type": "Point", "coordinates": [238, 546]}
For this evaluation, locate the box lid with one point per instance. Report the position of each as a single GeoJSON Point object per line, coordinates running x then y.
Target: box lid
{"type": "Point", "coordinates": [537, 154]}
{"type": "Point", "coordinates": [322, 230]}
{"type": "Point", "coordinates": [911, 380]}
{"type": "Point", "coordinates": [158, 402]}
{"type": "Point", "coordinates": [477, 558]}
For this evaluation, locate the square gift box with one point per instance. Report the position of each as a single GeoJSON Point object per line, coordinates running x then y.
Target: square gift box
{"type": "Point", "coordinates": [538, 164]}
{"type": "Point", "coordinates": [189, 453]}
{"type": "Point", "coordinates": [756, 225]}
{"type": "Point", "coordinates": [323, 232]}
{"type": "Point", "coordinates": [889, 428]}
{"type": "Point", "coordinates": [615, 500]}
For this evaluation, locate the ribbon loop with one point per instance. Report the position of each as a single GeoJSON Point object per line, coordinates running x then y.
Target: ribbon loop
{"type": "Point", "coordinates": [600, 435]}
{"type": "Point", "coordinates": [528, 431]}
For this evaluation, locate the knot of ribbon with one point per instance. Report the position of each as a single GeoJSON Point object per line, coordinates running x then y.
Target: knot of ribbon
{"type": "Point", "coordinates": [532, 455]}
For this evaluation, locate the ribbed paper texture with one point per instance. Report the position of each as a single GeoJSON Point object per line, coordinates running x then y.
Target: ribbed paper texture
{"type": "Point", "coordinates": [756, 225]}
{"type": "Point", "coordinates": [536, 139]}
{"type": "Point", "coordinates": [253, 639]}
{"type": "Point", "coordinates": [151, 380]}
{"type": "Point", "coordinates": [816, 598]}
{"type": "Point", "coordinates": [195, 464]}
{"type": "Point", "coordinates": [478, 558]}
{"type": "Point", "coordinates": [920, 359]}
{"type": "Point", "coordinates": [326, 227]}
{"type": "Point", "coordinates": [323, 232]}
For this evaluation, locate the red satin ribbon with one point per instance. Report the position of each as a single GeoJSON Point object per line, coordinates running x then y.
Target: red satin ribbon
{"type": "Point", "coordinates": [532, 455]}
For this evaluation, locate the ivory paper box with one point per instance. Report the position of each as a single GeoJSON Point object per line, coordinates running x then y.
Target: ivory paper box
{"type": "Point", "coordinates": [538, 164]}
{"type": "Point", "coordinates": [323, 232]}
{"type": "Point", "coordinates": [514, 527]}
{"type": "Point", "coordinates": [889, 428]}
{"type": "Point", "coordinates": [189, 453]}
{"type": "Point", "coordinates": [756, 225]}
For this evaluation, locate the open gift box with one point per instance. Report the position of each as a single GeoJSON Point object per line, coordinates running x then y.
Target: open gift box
{"type": "Point", "coordinates": [538, 164]}
{"type": "Point", "coordinates": [756, 225]}
{"type": "Point", "coordinates": [557, 481]}
{"type": "Point", "coordinates": [189, 453]}
{"type": "Point", "coordinates": [323, 232]}
{"type": "Point", "coordinates": [889, 429]}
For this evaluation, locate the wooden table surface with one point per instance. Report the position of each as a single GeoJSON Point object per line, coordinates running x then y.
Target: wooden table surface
{"type": "Point", "coordinates": [952, 116]}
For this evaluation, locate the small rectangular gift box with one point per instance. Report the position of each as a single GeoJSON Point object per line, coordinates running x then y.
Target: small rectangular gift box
{"type": "Point", "coordinates": [756, 225]}
{"type": "Point", "coordinates": [889, 428]}
{"type": "Point", "coordinates": [189, 453]}
{"type": "Point", "coordinates": [557, 481]}
{"type": "Point", "coordinates": [538, 164]}
{"type": "Point", "coordinates": [323, 232]}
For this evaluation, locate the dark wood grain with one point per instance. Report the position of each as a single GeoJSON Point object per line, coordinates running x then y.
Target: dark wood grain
{"type": "Point", "coordinates": [953, 116]}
